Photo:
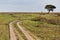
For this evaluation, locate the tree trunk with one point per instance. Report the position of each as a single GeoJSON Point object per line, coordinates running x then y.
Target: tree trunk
{"type": "Point", "coordinates": [48, 12]}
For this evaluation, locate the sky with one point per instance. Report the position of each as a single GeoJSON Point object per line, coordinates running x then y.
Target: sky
{"type": "Point", "coordinates": [27, 5]}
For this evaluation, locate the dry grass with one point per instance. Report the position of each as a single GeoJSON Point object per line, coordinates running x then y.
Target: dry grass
{"type": "Point", "coordinates": [44, 26]}
{"type": "Point", "coordinates": [4, 35]}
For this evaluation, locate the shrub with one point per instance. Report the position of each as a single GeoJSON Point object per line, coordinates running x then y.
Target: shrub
{"type": "Point", "coordinates": [54, 21]}
{"type": "Point", "coordinates": [42, 19]}
{"type": "Point", "coordinates": [42, 25]}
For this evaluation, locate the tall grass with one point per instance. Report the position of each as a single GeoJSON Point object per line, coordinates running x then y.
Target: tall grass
{"type": "Point", "coordinates": [45, 26]}
{"type": "Point", "coordinates": [4, 35]}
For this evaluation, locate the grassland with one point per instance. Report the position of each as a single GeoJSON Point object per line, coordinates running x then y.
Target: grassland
{"type": "Point", "coordinates": [43, 26]}
{"type": "Point", "coordinates": [5, 19]}
{"type": "Point", "coordinates": [4, 35]}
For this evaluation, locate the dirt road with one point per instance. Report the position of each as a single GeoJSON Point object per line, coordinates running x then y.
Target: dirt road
{"type": "Point", "coordinates": [28, 36]}
{"type": "Point", "coordinates": [18, 35]}
{"type": "Point", "coordinates": [12, 34]}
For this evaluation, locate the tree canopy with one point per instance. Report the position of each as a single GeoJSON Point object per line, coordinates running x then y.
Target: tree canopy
{"type": "Point", "coordinates": [50, 7]}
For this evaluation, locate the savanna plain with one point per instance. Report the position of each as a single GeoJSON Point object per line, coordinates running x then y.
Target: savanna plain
{"type": "Point", "coordinates": [39, 26]}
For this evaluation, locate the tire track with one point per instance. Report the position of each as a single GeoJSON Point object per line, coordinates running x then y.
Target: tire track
{"type": "Point", "coordinates": [28, 36]}
{"type": "Point", "coordinates": [12, 34]}
{"type": "Point", "coordinates": [18, 35]}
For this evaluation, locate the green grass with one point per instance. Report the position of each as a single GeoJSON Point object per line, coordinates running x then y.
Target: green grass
{"type": "Point", "coordinates": [4, 35]}
{"type": "Point", "coordinates": [45, 30]}
{"type": "Point", "coordinates": [5, 19]}
{"type": "Point", "coordinates": [43, 26]}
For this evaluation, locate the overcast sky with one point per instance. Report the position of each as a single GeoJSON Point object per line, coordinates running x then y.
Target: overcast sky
{"type": "Point", "coordinates": [27, 5]}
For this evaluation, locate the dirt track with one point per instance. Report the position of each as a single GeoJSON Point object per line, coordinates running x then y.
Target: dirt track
{"type": "Point", "coordinates": [12, 34]}
{"type": "Point", "coordinates": [28, 36]}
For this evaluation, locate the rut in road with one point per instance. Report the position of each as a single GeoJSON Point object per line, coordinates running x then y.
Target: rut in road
{"type": "Point", "coordinates": [12, 33]}
{"type": "Point", "coordinates": [18, 35]}
{"type": "Point", "coordinates": [28, 36]}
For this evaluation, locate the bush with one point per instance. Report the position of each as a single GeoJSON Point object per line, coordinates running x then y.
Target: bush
{"type": "Point", "coordinates": [57, 14]}
{"type": "Point", "coordinates": [54, 21]}
{"type": "Point", "coordinates": [42, 25]}
{"type": "Point", "coordinates": [42, 19]}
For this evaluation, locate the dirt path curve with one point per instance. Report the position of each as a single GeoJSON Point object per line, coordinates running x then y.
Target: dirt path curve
{"type": "Point", "coordinates": [12, 34]}
{"type": "Point", "coordinates": [18, 35]}
{"type": "Point", "coordinates": [28, 36]}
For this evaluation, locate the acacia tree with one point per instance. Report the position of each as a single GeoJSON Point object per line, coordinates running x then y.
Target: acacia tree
{"type": "Point", "coordinates": [50, 8]}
